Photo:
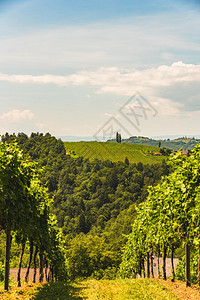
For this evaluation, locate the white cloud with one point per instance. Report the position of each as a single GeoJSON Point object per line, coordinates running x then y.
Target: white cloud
{"type": "Point", "coordinates": [17, 116]}
{"type": "Point", "coordinates": [117, 80]}
{"type": "Point", "coordinates": [167, 107]}
{"type": "Point", "coordinates": [174, 88]}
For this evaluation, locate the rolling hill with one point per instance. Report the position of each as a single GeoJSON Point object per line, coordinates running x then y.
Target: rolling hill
{"type": "Point", "coordinates": [184, 143]}
{"type": "Point", "coordinates": [113, 151]}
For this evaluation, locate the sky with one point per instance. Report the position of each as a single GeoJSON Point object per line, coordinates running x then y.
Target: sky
{"type": "Point", "coordinates": [94, 67]}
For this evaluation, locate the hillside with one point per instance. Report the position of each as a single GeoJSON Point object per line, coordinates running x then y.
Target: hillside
{"type": "Point", "coordinates": [183, 143]}
{"type": "Point", "coordinates": [113, 151]}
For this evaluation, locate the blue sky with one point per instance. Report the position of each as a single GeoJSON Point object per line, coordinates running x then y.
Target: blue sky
{"type": "Point", "coordinates": [68, 67]}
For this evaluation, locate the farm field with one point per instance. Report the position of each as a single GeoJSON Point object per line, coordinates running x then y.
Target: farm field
{"type": "Point", "coordinates": [127, 289]}
{"type": "Point", "coordinates": [113, 151]}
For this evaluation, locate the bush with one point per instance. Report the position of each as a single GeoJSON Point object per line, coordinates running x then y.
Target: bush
{"type": "Point", "coordinates": [180, 269]}
{"type": "Point", "coordinates": [109, 273]}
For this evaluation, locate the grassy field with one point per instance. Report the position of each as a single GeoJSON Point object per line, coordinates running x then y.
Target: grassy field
{"type": "Point", "coordinates": [129, 289]}
{"type": "Point", "coordinates": [113, 151]}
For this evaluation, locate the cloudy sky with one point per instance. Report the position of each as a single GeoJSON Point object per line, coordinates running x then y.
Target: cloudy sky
{"type": "Point", "coordinates": [91, 67]}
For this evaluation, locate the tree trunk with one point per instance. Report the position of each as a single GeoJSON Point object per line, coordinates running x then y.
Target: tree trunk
{"type": "Point", "coordinates": [172, 263]}
{"type": "Point", "coordinates": [7, 262]}
{"type": "Point", "coordinates": [148, 266]}
{"type": "Point", "coordinates": [73, 270]}
{"type": "Point", "coordinates": [140, 267]}
{"type": "Point", "coordinates": [187, 264]}
{"type": "Point", "coordinates": [164, 263]}
{"type": "Point", "coordinates": [20, 264]}
{"type": "Point", "coordinates": [30, 260]}
{"type": "Point", "coordinates": [46, 267]}
{"type": "Point", "coordinates": [159, 263]}
{"type": "Point", "coordinates": [41, 256]}
{"type": "Point", "coordinates": [49, 275]}
{"type": "Point", "coordinates": [151, 258]}
{"type": "Point", "coordinates": [35, 264]}
{"type": "Point", "coordinates": [52, 274]}
{"type": "Point", "coordinates": [143, 268]}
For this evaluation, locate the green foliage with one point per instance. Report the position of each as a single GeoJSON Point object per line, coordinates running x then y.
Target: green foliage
{"type": "Point", "coordinates": [1, 271]}
{"type": "Point", "coordinates": [25, 206]}
{"type": "Point", "coordinates": [92, 193]}
{"type": "Point", "coordinates": [89, 255]}
{"type": "Point", "coordinates": [180, 269]}
{"type": "Point", "coordinates": [46, 150]}
{"type": "Point", "coordinates": [169, 217]}
{"type": "Point", "coordinates": [15, 178]}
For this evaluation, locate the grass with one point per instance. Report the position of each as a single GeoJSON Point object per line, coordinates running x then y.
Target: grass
{"type": "Point", "coordinates": [122, 289]}
{"type": "Point", "coordinates": [113, 151]}
{"type": "Point", "coordinates": [126, 290]}
{"type": "Point", "coordinates": [50, 291]}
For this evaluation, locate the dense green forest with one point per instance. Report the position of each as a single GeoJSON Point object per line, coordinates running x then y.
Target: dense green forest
{"type": "Point", "coordinates": [94, 201]}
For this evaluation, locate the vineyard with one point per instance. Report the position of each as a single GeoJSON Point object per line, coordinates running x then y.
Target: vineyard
{"type": "Point", "coordinates": [25, 215]}
{"type": "Point", "coordinates": [167, 219]}
{"type": "Point", "coordinates": [73, 218]}
{"type": "Point", "coordinates": [113, 151]}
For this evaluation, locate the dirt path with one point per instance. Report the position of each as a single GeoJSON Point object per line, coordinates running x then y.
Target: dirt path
{"type": "Point", "coordinates": [180, 290]}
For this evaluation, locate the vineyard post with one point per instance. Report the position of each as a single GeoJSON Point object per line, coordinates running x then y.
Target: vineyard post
{"type": "Point", "coordinates": [46, 268]}
{"type": "Point", "coordinates": [143, 268]}
{"type": "Point", "coordinates": [30, 259]}
{"type": "Point", "coordinates": [159, 262]}
{"type": "Point", "coordinates": [172, 263]}
{"type": "Point", "coordinates": [34, 263]}
{"type": "Point", "coordinates": [52, 273]}
{"type": "Point", "coordinates": [152, 258]}
{"type": "Point", "coordinates": [41, 263]}
{"type": "Point", "coordinates": [20, 264]}
{"type": "Point", "coordinates": [164, 262]}
{"type": "Point", "coordinates": [187, 264]}
{"type": "Point", "coordinates": [140, 267]}
{"type": "Point", "coordinates": [148, 266]}
{"type": "Point", "coordinates": [7, 263]}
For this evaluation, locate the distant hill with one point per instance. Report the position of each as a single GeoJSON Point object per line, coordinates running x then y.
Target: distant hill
{"type": "Point", "coordinates": [173, 137]}
{"type": "Point", "coordinates": [113, 151]}
{"type": "Point", "coordinates": [75, 138]}
{"type": "Point", "coordinates": [183, 143]}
